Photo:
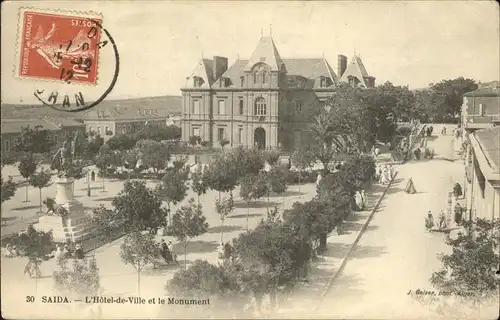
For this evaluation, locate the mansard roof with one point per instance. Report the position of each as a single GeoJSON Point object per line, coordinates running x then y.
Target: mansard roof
{"type": "Point", "coordinates": [356, 69]}
{"type": "Point", "coordinates": [309, 68]}
{"type": "Point", "coordinates": [265, 52]}
{"type": "Point", "coordinates": [204, 71]}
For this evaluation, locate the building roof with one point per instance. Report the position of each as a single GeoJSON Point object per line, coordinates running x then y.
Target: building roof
{"type": "Point", "coordinates": [309, 68]}
{"type": "Point", "coordinates": [356, 69]}
{"type": "Point", "coordinates": [203, 70]}
{"type": "Point", "coordinates": [484, 92]}
{"type": "Point", "coordinates": [138, 108]}
{"type": "Point", "coordinates": [489, 141]}
{"type": "Point", "coordinates": [16, 125]}
{"type": "Point", "coordinates": [267, 53]}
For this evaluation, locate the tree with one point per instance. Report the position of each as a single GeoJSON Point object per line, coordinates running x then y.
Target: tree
{"type": "Point", "coordinates": [158, 133]}
{"type": "Point", "coordinates": [88, 147]}
{"type": "Point", "coordinates": [453, 90]}
{"type": "Point", "coordinates": [266, 258]}
{"type": "Point", "coordinates": [274, 181]}
{"type": "Point", "coordinates": [106, 223]}
{"type": "Point", "coordinates": [173, 188]}
{"type": "Point", "coordinates": [139, 206]}
{"type": "Point", "coordinates": [198, 184]}
{"type": "Point", "coordinates": [474, 259]}
{"type": "Point", "coordinates": [40, 180]}
{"type": "Point", "coordinates": [194, 140]}
{"type": "Point", "coordinates": [302, 159]}
{"type": "Point", "coordinates": [36, 245]}
{"type": "Point", "coordinates": [121, 142]}
{"type": "Point", "coordinates": [153, 154]}
{"type": "Point", "coordinates": [252, 187]}
{"type": "Point", "coordinates": [248, 161]}
{"type": "Point", "coordinates": [27, 167]}
{"type": "Point", "coordinates": [105, 159]}
{"type": "Point", "coordinates": [224, 207]}
{"type": "Point", "coordinates": [79, 282]}
{"type": "Point", "coordinates": [33, 140]}
{"type": "Point", "coordinates": [7, 157]}
{"type": "Point", "coordinates": [138, 249]}
{"type": "Point", "coordinates": [221, 175]}
{"type": "Point", "coordinates": [188, 222]}
{"type": "Point", "coordinates": [8, 189]}
{"type": "Point", "coordinates": [272, 157]}
{"type": "Point", "coordinates": [203, 280]}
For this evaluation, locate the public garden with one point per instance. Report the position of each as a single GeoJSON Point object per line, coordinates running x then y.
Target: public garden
{"type": "Point", "coordinates": [259, 233]}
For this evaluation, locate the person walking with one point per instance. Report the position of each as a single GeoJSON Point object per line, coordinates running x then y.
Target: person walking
{"type": "Point", "coordinates": [429, 221]}
{"type": "Point", "coordinates": [410, 187]}
{"type": "Point", "coordinates": [79, 252]}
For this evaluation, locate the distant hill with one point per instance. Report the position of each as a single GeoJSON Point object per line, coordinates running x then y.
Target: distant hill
{"type": "Point", "coordinates": [490, 84]}
{"type": "Point", "coordinates": [167, 104]}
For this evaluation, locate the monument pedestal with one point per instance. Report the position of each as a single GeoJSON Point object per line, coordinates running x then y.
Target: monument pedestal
{"type": "Point", "coordinates": [73, 225]}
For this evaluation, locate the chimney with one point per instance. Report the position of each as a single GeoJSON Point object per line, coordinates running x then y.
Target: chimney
{"type": "Point", "coordinates": [220, 66]}
{"type": "Point", "coordinates": [341, 65]}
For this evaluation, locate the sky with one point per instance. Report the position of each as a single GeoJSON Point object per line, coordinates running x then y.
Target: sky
{"type": "Point", "coordinates": [160, 42]}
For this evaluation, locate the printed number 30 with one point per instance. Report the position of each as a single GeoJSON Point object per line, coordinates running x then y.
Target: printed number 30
{"type": "Point", "coordinates": [30, 299]}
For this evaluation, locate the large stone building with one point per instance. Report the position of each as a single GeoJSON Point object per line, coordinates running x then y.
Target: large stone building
{"type": "Point", "coordinates": [263, 101]}
{"type": "Point", "coordinates": [482, 187]}
{"type": "Point", "coordinates": [480, 110]}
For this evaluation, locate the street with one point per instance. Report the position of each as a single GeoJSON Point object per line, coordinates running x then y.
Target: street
{"type": "Point", "coordinates": [396, 254]}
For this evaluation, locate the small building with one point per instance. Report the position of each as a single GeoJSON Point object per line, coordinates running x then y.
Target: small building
{"type": "Point", "coordinates": [129, 116]}
{"type": "Point", "coordinates": [480, 110]}
{"type": "Point", "coordinates": [482, 187]}
{"type": "Point", "coordinates": [60, 129]}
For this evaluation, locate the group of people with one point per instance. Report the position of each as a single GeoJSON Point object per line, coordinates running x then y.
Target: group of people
{"type": "Point", "coordinates": [65, 252]}
{"type": "Point", "coordinates": [442, 223]}
{"type": "Point", "coordinates": [11, 251]}
{"type": "Point", "coordinates": [384, 174]}
{"type": "Point", "coordinates": [166, 251]}
{"type": "Point", "coordinates": [360, 200]}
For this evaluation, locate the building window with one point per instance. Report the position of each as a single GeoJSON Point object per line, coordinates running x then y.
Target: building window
{"type": "Point", "coordinates": [481, 109]}
{"type": "Point", "coordinates": [196, 132]}
{"type": "Point", "coordinates": [196, 107]}
{"type": "Point", "coordinates": [264, 77]}
{"type": "Point", "coordinates": [198, 82]}
{"type": "Point", "coordinates": [56, 138]}
{"type": "Point", "coordinates": [260, 107]}
{"type": "Point", "coordinates": [222, 107]}
{"type": "Point", "coordinates": [240, 135]}
{"type": "Point", "coordinates": [241, 106]}
{"type": "Point", "coordinates": [7, 144]}
{"type": "Point", "coordinates": [220, 134]}
{"type": "Point", "coordinates": [123, 129]}
{"type": "Point", "coordinates": [256, 77]}
{"type": "Point", "coordinates": [299, 106]}
{"type": "Point", "coordinates": [323, 83]}
{"type": "Point", "coordinates": [242, 81]}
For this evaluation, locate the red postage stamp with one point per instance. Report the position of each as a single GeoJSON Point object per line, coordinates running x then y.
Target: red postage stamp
{"type": "Point", "coordinates": [59, 47]}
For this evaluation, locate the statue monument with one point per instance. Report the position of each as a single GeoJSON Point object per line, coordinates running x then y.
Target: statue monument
{"type": "Point", "coordinates": [66, 217]}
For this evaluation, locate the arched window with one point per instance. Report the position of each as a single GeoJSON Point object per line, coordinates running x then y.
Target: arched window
{"type": "Point", "coordinates": [256, 77]}
{"type": "Point", "coordinates": [264, 77]}
{"type": "Point", "coordinates": [260, 108]}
